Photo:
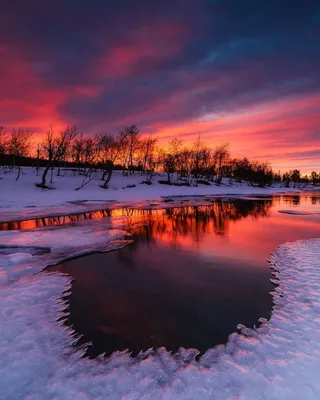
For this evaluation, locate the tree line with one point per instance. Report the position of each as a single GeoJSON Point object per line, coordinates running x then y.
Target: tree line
{"type": "Point", "coordinates": [96, 157]}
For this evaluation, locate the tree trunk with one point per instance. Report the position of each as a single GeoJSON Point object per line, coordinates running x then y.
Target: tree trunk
{"type": "Point", "coordinates": [44, 176]}
{"type": "Point", "coordinates": [108, 171]}
{"type": "Point", "coordinates": [19, 171]}
{"type": "Point", "coordinates": [105, 185]}
{"type": "Point", "coordinates": [51, 178]}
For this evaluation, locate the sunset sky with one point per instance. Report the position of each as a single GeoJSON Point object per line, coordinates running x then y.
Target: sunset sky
{"type": "Point", "coordinates": [239, 71]}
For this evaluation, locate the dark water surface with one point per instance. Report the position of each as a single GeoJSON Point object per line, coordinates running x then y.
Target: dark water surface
{"type": "Point", "coordinates": [191, 275]}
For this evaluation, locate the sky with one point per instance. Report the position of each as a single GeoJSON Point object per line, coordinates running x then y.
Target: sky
{"type": "Point", "coordinates": [243, 72]}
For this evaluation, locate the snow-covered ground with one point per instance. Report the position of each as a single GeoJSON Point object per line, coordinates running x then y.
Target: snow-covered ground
{"type": "Point", "coordinates": [23, 199]}
{"type": "Point", "coordinates": [280, 360]}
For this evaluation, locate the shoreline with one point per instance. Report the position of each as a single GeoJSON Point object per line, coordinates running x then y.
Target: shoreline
{"type": "Point", "coordinates": [78, 207]}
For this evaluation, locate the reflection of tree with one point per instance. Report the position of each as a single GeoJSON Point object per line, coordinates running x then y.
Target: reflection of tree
{"type": "Point", "coordinates": [52, 221]}
{"type": "Point", "coordinates": [292, 200]}
{"type": "Point", "coordinates": [295, 200]}
{"type": "Point", "coordinates": [315, 200]}
{"type": "Point", "coordinates": [172, 223]}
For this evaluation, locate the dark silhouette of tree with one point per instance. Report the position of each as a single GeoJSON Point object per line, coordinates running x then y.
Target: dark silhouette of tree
{"type": "Point", "coordinates": [3, 143]}
{"type": "Point", "coordinates": [295, 175]}
{"type": "Point", "coordinates": [129, 145]}
{"type": "Point", "coordinates": [241, 169]}
{"type": "Point", "coordinates": [19, 145]}
{"type": "Point", "coordinates": [146, 156]}
{"type": "Point", "coordinates": [109, 148]}
{"type": "Point", "coordinates": [169, 166]}
{"type": "Point", "coordinates": [221, 157]}
{"type": "Point", "coordinates": [55, 149]}
{"type": "Point", "coordinates": [286, 178]}
{"type": "Point", "coordinates": [130, 151]}
{"type": "Point", "coordinates": [315, 178]}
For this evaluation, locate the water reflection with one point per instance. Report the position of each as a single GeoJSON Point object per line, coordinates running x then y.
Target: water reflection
{"type": "Point", "coordinates": [229, 210]}
{"type": "Point", "coordinates": [52, 221]}
{"type": "Point", "coordinates": [219, 213]}
{"type": "Point", "coordinates": [198, 220]}
{"type": "Point", "coordinates": [191, 275]}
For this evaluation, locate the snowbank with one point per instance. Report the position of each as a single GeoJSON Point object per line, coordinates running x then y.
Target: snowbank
{"type": "Point", "coordinates": [26, 200]}
{"type": "Point", "coordinates": [280, 360]}
{"type": "Point", "coordinates": [23, 253]}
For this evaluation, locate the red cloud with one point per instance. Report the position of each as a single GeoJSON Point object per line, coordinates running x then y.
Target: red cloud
{"type": "Point", "coordinates": [25, 101]}
{"type": "Point", "coordinates": [273, 132]}
{"type": "Point", "coordinates": [140, 48]}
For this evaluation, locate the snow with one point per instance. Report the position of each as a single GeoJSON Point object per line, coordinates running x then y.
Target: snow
{"type": "Point", "coordinates": [279, 360]}
{"type": "Point", "coordinates": [27, 252]}
{"type": "Point", "coordinates": [28, 201]}
{"type": "Point", "coordinates": [296, 212]}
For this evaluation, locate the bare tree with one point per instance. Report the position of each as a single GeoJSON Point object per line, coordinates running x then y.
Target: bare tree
{"type": "Point", "coordinates": [56, 148]}
{"type": "Point", "coordinates": [286, 179]}
{"type": "Point", "coordinates": [108, 149]}
{"type": "Point", "coordinates": [175, 146]}
{"type": "Point", "coordinates": [3, 141]}
{"type": "Point", "coordinates": [130, 144]}
{"type": "Point", "coordinates": [148, 161]}
{"type": "Point", "coordinates": [146, 152]}
{"type": "Point", "coordinates": [172, 158]}
{"type": "Point", "coordinates": [169, 166]}
{"type": "Point", "coordinates": [315, 178]}
{"type": "Point", "coordinates": [88, 157]}
{"type": "Point", "coordinates": [183, 160]}
{"type": "Point", "coordinates": [295, 175]}
{"type": "Point", "coordinates": [200, 158]}
{"type": "Point", "coordinates": [77, 149]}
{"type": "Point", "coordinates": [3, 146]}
{"type": "Point", "coordinates": [220, 156]}
{"type": "Point", "coordinates": [89, 150]}
{"type": "Point", "coordinates": [92, 156]}
{"type": "Point", "coordinates": [196, 155]}
{"type": "Point", "coordinates": [19, 145]}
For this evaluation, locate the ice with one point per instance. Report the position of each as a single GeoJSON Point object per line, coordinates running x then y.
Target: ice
{"type": "Point", "coordinates": [279, 360]}
{"type": "Point", "coordinates": [23, 249]}
{"type": "Point", "coordinates": [296, 212]}
{"type": "Point", "coordinates": [27, 252]}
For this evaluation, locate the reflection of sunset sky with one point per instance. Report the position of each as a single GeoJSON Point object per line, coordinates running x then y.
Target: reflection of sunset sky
{"type": "Point", "coordinates": [187, 267]}
{"type": "Point", "coordinates": [230, 230]}
{"type": "Point", "coordinates": [238, 72]}
{"type": "Point", "coordinates": [246, 238]}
